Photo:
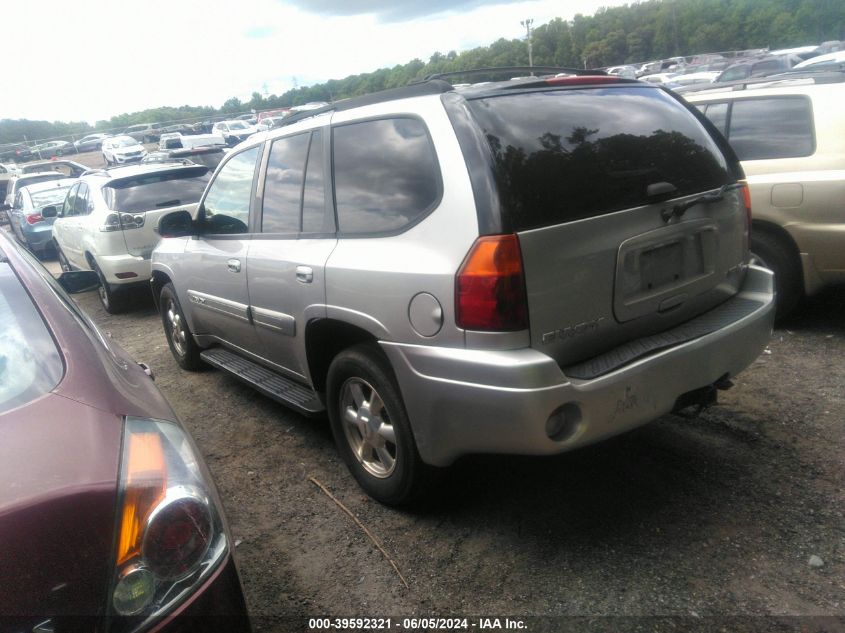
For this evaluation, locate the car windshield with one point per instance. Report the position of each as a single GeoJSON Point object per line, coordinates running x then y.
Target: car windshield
{"type": "Point", "coordinates": [237, 125]}
{"type": "Point", "coordinates": [30, 365]}
{"type": "Point", "coordinates": [157, 190]}
{"type": "Point", "coordinates": [33, 180]}
{"type": "Point", "coordinates": [42, 199]}
{"type": "Point", "coordinates": [124, 142]}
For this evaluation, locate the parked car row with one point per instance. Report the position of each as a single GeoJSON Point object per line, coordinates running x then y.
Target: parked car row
{"type": "Point", "coordinates": [440, 275]}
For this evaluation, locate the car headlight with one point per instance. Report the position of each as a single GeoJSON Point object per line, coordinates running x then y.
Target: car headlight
{"type": "Point", "coordinates": [170, 532]}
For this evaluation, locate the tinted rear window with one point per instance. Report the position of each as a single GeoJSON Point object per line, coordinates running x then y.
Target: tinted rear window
{"type": "Point", "coordinates": [157, 190]}
{"type": "Point", "coordinates": [564, 155]}
{"type": "Point", "coordinates": [777, 127]}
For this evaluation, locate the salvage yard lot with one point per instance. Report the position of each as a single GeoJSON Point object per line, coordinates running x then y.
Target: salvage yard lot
{"type": "Point", "coordinates": [717, 515]}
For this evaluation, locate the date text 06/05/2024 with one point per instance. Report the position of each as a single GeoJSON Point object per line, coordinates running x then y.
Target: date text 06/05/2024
{"type": "Point", "coordinates": [415, 624]}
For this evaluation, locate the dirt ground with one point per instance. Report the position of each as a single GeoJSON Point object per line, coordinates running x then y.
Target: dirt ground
{"type": "Point", "coordinates": [730, 521]}
{"type": "Point", "coordinates": [700, 519]}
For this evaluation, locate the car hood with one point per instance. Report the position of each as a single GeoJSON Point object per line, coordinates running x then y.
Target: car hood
{"type": "Point", "coordinates": [127, 150]}
{"type": "Point", "coordinates": [59, 464]}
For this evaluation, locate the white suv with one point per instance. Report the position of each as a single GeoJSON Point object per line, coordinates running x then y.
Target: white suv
{"type": "Point", "coordinates": [108, 219]}
{"type": "Point", "coordinates": [122, 149]}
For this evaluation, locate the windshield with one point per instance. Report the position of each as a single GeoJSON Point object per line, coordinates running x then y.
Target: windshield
{"type": "Point", "coordinates": [30, 365]}
{"type": "Point", "coordinates": [157, 190]}
{"type": "Point", "coordinates": [32, 180]}
{"type": "Point", "coordinates": [55, 196]}
{"type": "Point", "coordinates": [124, 142]}
{"type": "Point", "coordinates": [237, 125]}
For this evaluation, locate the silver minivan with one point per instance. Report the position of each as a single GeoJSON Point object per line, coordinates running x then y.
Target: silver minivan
{"type": "Point", "coordinates": [519, 267]}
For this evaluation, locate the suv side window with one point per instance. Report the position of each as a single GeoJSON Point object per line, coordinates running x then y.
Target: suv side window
{"type": "Point", "coordinates": [718, 115]}
{"type": "Point", "coordinates": [283, 184]}
{"type": "Point", "coordinates": [314, 218]}
{"type": "Point", "coordinates": [386, 175]}
{"type": "Point", "coordinates": [776, 127]}
{"type": "Point", "coordinates": [226, 205]}
{"type": "Point", "coordinates": [70, 202]}
{"type": "Point", "coordinates": [80, 206]}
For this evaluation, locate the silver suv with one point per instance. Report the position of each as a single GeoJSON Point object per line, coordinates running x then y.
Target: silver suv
{"type": "Point", "coordinates": [516, 267]}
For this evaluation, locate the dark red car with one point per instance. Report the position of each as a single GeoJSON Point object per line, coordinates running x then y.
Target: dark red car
{"type": "Point", "coordinates": [109, 520]}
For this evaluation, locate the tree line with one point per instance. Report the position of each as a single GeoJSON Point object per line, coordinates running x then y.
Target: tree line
{"type": "Point", "coordinates": [639, 32]}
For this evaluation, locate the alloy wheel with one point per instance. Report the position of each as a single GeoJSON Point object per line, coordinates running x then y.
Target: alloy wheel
{"type": "Point", "coordinates": [368, 428]}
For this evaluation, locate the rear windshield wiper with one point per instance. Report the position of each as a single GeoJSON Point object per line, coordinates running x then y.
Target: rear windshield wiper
{"type": "Point", "coordinates": [682, 207]}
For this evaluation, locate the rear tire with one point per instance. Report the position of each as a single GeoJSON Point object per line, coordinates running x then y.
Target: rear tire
{"type": "Point", "coordinates": [371, 427]}
{"type": "Point", "coordinates": [114, 301]}
{"type": "Point", "coordinates": [772, 253]}
{"type": "Point", "coordinates": [179, 338]}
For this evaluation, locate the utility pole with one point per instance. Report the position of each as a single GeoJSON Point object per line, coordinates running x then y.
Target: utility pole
{"type": "Point", "coordinates": [527, 24]}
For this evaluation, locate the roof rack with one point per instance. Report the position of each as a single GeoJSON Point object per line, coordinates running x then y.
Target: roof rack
{"type": "Point", "coordinates": [514, 69]}
{"type": "Point", "coordinates": [405, 92]}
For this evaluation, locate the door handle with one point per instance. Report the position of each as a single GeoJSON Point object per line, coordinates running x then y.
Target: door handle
{"type": "Point", "coordinates": [234, 265]}
{"type": "Point", "coordinates": [304, 274]}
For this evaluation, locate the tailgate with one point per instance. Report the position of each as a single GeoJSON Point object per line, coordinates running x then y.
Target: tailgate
{"type": "Point", "coordinates": [588, 178]}
{"type": "Point", "coordinates": [595, 284]}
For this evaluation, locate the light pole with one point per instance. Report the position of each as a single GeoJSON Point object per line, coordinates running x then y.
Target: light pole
{"type": "Point", "coordinates": [527, 24]}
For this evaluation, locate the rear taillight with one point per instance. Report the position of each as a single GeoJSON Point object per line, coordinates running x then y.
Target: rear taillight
{"type": "Point", "coordinates": [122, 222]}
{"type": "Point", "coordinates": [490, 286]}
{"type": "Point", "coordinates": [34, 218]}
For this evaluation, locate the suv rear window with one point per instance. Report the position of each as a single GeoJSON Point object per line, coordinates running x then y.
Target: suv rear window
{"type": "Point", "coordinates": [564, 155]}
{"type": "Point", "coordinates": [157, 190]}
{"type": "Point", "coordinates": [30, 365]}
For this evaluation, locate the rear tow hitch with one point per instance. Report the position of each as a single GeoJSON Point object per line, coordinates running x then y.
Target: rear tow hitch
{"type": "Point", "coordinates": [692, 403]}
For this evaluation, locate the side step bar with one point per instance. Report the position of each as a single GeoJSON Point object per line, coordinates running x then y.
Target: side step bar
{"type": "Point", "coordinates": [268, 382]}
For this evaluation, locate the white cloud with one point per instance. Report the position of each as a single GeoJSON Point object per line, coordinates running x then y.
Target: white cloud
{"type": "Point", "coordinates": [93, 59]}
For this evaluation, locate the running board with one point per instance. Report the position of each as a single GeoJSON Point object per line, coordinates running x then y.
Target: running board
{"type": "Point", "coordinates": [268, 382]}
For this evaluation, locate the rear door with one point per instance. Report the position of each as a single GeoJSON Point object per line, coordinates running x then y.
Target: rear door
{"type": "Point", "coordinates": [286, 261]}
{"type": "Point", "coordinates": [587, 181]}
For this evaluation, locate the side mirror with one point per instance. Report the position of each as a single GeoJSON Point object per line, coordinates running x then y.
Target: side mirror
{"type": "Point", "coordinates": [50, 211]}
{"type": "Point", "coordinates": [76, 281]}
{"type": "Point", "coordinates": [176, 224]}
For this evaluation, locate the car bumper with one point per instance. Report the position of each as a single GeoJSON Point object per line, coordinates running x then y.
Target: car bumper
{"type": "Point", "coordinates": [124, 269]}
{"type": "Point", "coordinates": [38, 238]}
{"type": "Point", "coordinates": [464, 401]}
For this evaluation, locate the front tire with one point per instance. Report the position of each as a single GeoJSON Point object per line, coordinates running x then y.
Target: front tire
{"type": "Point", "coordinates": [772, 253]}
{"type": "Point", "coordinates": [371, 427]}
{"type": "Point", "coordinates": [179, 338]}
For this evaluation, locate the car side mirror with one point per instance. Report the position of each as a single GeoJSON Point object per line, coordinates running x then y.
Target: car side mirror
{"type": "Point", "coordinates": [76, 281]}
{"type": "Point", "coordinates": [176, 224]}
{"type": "Point", "coordinates": [49, 211]}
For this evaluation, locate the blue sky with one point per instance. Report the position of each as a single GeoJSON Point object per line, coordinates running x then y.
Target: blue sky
{"type": "Point", "coordinates": [92, 59]}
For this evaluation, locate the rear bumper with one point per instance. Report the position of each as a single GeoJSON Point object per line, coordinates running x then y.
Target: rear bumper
{"type": "Point", "coordinates": [470, 401]}
{"type": "Point", "coordinates": [124, 265]}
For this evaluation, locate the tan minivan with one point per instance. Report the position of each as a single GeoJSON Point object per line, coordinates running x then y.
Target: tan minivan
{"type": "Point", "coordinates": [789, 133]}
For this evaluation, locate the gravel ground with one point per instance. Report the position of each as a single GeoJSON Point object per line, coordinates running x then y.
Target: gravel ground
{"type": "Point", "coordinates": [730, 521]}
{"type": "Point", "coordinates": [723, 515]}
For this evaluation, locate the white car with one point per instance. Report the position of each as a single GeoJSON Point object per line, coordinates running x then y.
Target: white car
{"type": "Point", "coordinates": [814, 63]}
{"type": "Point", "coordinates": [108, 222]}
{"type": "Point", "coordinates": [233, 132]}
{"type": "Point", "coordinates": [119, 150]}
{"type": "Point", "coordinates": [703, 77]}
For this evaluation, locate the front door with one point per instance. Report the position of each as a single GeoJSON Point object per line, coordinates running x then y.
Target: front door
{"type": "Point", "coordinates": [215, 262]}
